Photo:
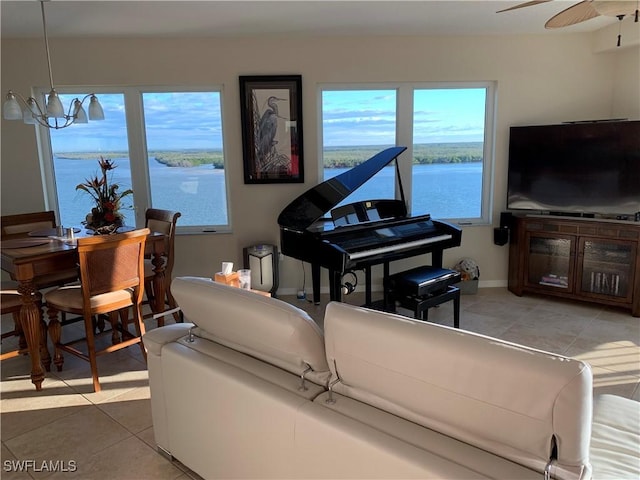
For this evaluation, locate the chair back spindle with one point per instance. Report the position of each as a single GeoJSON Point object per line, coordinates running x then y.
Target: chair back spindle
{"type": "Point", "coordinates": [162, 221]}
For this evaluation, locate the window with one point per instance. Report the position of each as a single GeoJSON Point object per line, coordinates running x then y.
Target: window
{"type": "Point", "coordinates": [170, 158]}
{"type": "Point", "coordinates": [357, 124]}
{"type": "Point", "coordinates": [448, 146]}
{"type": "Point", "coordinates": [448, 132]}
{"type": "Point", "coordinates": [75, 153]}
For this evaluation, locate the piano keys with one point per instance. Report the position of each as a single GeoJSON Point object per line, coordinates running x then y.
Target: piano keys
{"type": "Point", "coordinates": [361, 234]}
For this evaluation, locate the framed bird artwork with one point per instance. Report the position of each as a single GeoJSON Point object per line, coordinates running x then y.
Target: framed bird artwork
{"type": "Point", "coordinates": [271, 116]}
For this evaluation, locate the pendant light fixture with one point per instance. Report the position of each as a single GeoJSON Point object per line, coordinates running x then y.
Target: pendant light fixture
{"type": "Point", "coordinates": [52, 115]}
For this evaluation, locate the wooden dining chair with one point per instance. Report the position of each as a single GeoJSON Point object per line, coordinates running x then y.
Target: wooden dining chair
{"type": "Point", "coordinates": [27, 222]}
{"type": "Point", "coordinates": [163, 221]}
{"type": "Point", "coordinates": [111, 281]}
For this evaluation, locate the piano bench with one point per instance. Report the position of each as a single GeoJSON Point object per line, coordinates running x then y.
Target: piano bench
{"type": "Point", "coordinates": [424, 287]}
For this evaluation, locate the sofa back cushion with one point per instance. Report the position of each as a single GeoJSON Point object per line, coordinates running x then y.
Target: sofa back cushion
{"type": "Point", "coordinates": [522, 404]}
{"type": "Point", "coordinates": [265, 328]}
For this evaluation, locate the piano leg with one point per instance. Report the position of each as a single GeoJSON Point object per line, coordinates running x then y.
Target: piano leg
{"type": "Point", "coordinates": [367, 285]}
{"type": "Point", "coordinates": [315, 282]}
{"type": "Point", "coordinates": [436, 258]}
{"type": "Point", "coordinates": [335, 285]}
{"type": "Point", "coordinates": [385, 279]}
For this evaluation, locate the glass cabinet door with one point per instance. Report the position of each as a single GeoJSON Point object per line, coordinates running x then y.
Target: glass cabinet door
{"type": "Point", "coordinates": [549, 262]}
{"type": "Point", "coordinates": [607, 268]}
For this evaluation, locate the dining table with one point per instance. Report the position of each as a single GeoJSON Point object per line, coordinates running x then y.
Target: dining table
{"type": "Point", "coordinates": [33, 255]}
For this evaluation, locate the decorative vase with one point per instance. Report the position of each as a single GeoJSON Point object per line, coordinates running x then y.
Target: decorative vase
{"type": "Point", "coordinates": [96, 222]}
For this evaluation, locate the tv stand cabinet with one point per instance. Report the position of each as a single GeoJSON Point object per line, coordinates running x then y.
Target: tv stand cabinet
{"type": "Point", "coordinates": [583, 259]}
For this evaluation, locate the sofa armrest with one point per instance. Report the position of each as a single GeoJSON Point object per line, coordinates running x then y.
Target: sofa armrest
{"type": "Point", "coordinates": [155, 339]}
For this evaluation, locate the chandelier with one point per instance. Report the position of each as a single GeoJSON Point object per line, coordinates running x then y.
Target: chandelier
{"type": "Point", "coordinates": [53, 114]}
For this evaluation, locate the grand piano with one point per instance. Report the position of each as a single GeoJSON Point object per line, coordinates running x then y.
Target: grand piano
{"type": "Point", "coordinates": [361, 234]}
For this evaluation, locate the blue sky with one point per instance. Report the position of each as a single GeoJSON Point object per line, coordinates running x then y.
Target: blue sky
{"type": "Point", "coordinates": [187, 120]}
{"type": "Point", "coordinates": [173, 121]}
{"type": "Point", "coordinates": [368, 117]}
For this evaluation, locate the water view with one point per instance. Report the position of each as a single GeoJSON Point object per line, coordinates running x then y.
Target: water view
{"type": "Point", "coordinates": [445, 190]}
{"type": "Point", "coordinates": [198, 192]}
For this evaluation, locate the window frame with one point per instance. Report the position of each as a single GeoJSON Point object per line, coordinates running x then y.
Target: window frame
{"type": "Point", "coordinates": [404, 135]}
{"type": "Point", "coordinates": [137, 146]}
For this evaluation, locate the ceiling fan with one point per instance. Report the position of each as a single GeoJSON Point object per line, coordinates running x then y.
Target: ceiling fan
{"type": "Point", "coordinates": [586, 10]}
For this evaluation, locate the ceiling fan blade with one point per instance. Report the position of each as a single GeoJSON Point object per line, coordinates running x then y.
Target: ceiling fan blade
{"type": "Point", "coordinates": [522, 5]}
{"type": "Point", "coordinates": [580, 12]}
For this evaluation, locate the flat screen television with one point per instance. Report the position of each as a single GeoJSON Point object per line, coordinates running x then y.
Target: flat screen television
{"type": "Point", "coordinates": [580, 169]}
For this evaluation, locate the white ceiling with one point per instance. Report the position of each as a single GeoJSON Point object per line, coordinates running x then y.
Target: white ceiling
{"type": "Point", "coordinates": [75, 18]}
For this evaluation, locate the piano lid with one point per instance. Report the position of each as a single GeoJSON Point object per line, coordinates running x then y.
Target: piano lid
{"type": "Point", "coordinates": [315, 202]}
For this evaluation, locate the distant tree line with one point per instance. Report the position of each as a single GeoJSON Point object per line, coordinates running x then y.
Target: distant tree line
{"type": "Point", "coordinates": [177, 158]}
{"type": "Point", "coordinates": [334, 157]}
{"type": "Point", "coordinates": [426, 153]}
{"type": "Point", "coordinates": [190, 158]}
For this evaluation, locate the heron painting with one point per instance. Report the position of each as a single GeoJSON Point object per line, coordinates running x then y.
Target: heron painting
{"type": "Point", "coordinates": [271, 129]}
{"type": "Point", "coordinates": [266, 120]}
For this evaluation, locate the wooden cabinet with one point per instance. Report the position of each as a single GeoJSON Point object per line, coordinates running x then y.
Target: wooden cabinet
{"type": "Point", "coordinates": [584, 259]}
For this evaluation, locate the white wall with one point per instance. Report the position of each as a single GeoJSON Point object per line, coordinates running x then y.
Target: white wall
{"type": "Point", "coordinates": [541, 79]}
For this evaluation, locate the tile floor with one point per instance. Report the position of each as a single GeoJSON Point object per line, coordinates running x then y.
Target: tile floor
{"type": "Point", "coordinates": [109, 434]}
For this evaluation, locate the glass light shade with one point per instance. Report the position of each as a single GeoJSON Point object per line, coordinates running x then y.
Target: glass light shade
{"type": "Point", "coordinates": [27, 117]}
{"type": "Point", "coordinates": [54, 105]}
{"type": "Point", "coordinates": [28, 114]}
{"type": "Point", "coordinates": [95, 109]}
{"type": "Point", "coordinates": [11, 108]}
{"type": "Point", "coordinates": [80, 114]}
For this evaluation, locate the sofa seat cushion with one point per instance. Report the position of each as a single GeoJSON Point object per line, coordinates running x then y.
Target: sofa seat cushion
{"type": "Point", "coordinates": [516, 402]}
{"type": "Point", "coordinates": [615, 439]}
{"type": "Point", "coordinates": [263, 327]}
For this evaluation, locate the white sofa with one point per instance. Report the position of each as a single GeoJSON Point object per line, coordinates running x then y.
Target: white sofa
{"type": "Point", "coordinates": [252, 388]}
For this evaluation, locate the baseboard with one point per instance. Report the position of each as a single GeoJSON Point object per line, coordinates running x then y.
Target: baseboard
{"type": "Point", "coordinates": [378, 288]}
{"type": "Point", "coordinates": [492, 284]}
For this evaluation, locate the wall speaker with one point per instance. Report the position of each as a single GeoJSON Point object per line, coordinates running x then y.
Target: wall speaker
{"type": "Point", "coordinates": [501, 236]}
{"type": "Point", "coordinates": [262, 260]}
